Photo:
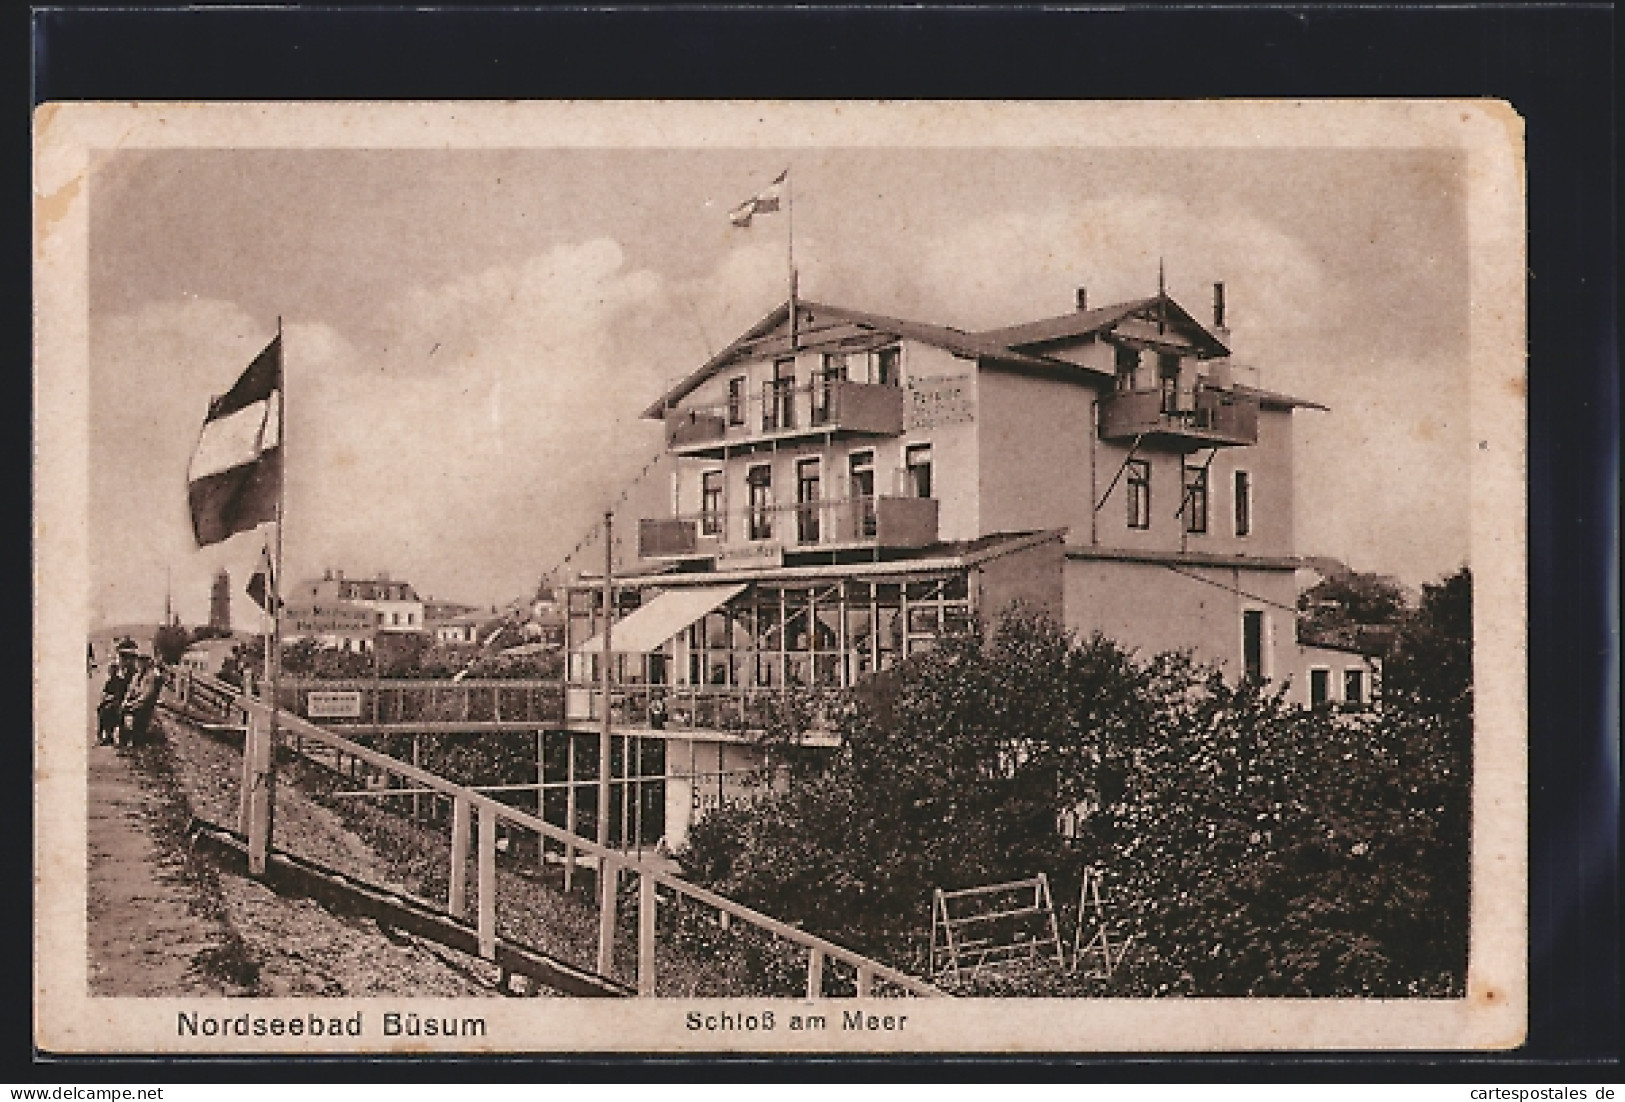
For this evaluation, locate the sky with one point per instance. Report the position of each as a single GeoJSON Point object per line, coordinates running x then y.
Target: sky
{"type": "Point", "coordinates": [471, 335]}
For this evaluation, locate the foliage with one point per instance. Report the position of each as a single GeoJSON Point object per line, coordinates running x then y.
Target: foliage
{"type": "Point", "coordinates": [169, 642]}
{"type": "Point", "coordinates": [1352, 609]}
{"type": "Point", "coordinates": [308, 658]}
{"type": "Point", "coordinates": [1253, 847]}
{"type": "Point", "coordinates": [1431, 668]}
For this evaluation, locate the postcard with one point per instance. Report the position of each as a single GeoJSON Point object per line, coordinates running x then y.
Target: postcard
{"type": "Point", "coordinates": [779, 577]}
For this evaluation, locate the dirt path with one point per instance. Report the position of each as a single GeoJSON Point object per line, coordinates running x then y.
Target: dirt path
{"type": "Point", "coordinates": [162, 922]}
{"type": "Point", "coordinates": [150, 932]}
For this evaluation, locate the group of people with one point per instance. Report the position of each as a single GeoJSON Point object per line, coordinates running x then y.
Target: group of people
{"type": "Point", "coordinates": [129, 695]}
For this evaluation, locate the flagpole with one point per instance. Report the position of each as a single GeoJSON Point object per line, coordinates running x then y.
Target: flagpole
{"type": "Point", "coordinates": [262, 825]}
{"type": "Point", "coordinates": [790, 223]}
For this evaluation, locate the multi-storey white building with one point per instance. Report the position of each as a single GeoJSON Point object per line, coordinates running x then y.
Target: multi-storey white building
{"type": "Point", "coordinates": [850, 486]}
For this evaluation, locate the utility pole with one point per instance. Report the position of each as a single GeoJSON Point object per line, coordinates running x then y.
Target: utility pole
{"type": "Point", "coordinates": [606, 680]}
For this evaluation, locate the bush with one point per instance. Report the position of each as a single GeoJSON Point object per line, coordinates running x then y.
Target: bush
{"type": "Point", "coordinates": [1253, 847]}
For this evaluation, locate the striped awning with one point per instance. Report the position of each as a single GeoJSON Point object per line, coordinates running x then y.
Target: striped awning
{"type": "Point", "coordinates": [651, 626]}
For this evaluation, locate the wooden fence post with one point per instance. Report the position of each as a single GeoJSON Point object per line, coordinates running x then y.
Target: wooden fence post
{"type": "Point", "coordinates": [646, 934]}
{"type": "Point", "coordinates": [815, 973]}
{"type": "Point", "coordinates": [259, 799]}
{"type": "Point", "coordinates": [608, 882]}
{"type": "Point", "coordinates": [458, 896]}
{"type": "Point", "coordinates": [246, 789]}
{"type": "Point", "coordinates": [569, 809]}
{"type": "Point", "coordinates": [488, 883]}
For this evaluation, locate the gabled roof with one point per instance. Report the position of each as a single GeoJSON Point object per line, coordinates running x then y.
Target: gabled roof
{"type": "Point", "coordinates": [1019, 346]}
{"type": "Point", "coordinates": [1080, 323]}
{"type": "Point", "coordinates": [957, 341]}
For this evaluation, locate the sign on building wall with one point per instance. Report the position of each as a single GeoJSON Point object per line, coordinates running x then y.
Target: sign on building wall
{"type": "Point", "coordinates": [333, 705]}
{"type": "Point", "coordinates": [936, 402]}
{"type": "Point", "coordinates": [327, 620]}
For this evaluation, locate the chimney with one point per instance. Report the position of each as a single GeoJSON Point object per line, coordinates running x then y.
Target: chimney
{"type": "Point", "coordinates": [327, 575]}
{"type": "Point", "coordinates": [1218, 306]}
{"type": "Point", "coordinates": [1083, 298]}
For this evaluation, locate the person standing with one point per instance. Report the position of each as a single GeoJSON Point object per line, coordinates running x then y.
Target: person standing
{"type": "Point", "coordinates": [110, 711]}
{"type": "Point", "coordinates": [140, 699]}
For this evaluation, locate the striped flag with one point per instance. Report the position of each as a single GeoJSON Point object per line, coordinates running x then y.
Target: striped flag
{"type": "Point", "coordinates": [262, 584]}
{"type": "Point", "coordinates": [236, 473]}
{"type": "Point", "coordinates": [765, 201]}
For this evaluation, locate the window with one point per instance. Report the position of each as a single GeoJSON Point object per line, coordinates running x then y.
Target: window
{"type": "Point", "coordinates": [1244, 503]}
{"type": "Point", "coordinates": [760, 481]}
{"type": "Point", "coordinates": [1320, 687]}
{"type": "Point", "coordinates": [807, 479]}
{"type": "Point", "coordinates": [833, 371]}
{"type": "Point", "coordinates": [1139, 493]}
{"type": "Point", "coordinates": [1354, 686]}
{"type": "Point", "coordinates": [1128, 361]}
{"type": "Point", "coordinates": [1168, 380]}
{"type": "Point", "coordinates": [1195, 508]}
{"type": "Point", "coordinates": [1252, 644]}
{"type": "Point", "coordinates": [861, 489]}
{"type": "Point", "coordinates": [778, 398]}
{"type": "Point", "coordinates": [711, 503]}
{"type": "Point", "coordinates": [736, 401]}
{"type": "Point", "coordinates": [917, 463]}
{"type": "Point", "coordinates": [889, 366]}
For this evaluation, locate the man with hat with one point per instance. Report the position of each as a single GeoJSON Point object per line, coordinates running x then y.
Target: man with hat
{"type": "Point", "coordinates": [140, 699]}
{"type": "Point", "coordinates": [110, 712]}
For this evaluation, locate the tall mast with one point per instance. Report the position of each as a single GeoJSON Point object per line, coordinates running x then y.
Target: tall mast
{"type": "Point", "coordinates": [605, 741]}
{"type": "Point", "coordinates": [261, 828]}
{"type": "Point", "coordinates": [790, 223]}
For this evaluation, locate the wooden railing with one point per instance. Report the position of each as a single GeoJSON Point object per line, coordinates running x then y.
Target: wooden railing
{"type": "Point", "coordinates": [476, 818]}
{"type": "Point", "coordinates": [434, 705]}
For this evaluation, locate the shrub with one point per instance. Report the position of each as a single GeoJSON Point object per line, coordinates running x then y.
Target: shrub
{"type": "Point", "coordinates": [1253, 847]}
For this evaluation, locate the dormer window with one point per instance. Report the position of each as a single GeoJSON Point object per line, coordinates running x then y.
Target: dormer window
{"type": "Point", "coordinates": [889, 366]}
{"type": "Point", "coordinates": [1168, 380]}
{"type": "Point", "coordinates": [1127, 362]}
{"type": "Point", "coordinates": [834, 370]}
{"type": "Point", "coordinates": [778, 406]}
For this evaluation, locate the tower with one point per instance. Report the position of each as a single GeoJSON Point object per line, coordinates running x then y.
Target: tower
{"type": "Point", "coordinates": [220, 602]}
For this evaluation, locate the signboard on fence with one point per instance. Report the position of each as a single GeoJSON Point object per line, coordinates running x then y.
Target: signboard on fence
{"type": "Point", "coordinates": [332, 619]}
{"type": "Point", "coordinates": [333, 705]}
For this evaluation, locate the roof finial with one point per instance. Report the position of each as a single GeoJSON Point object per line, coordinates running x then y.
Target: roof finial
{"type": "Point", "coordinates": [1162, 280]}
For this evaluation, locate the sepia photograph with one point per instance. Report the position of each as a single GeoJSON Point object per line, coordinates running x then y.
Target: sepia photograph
{"type": "Point", "coordinates": [832, 577]}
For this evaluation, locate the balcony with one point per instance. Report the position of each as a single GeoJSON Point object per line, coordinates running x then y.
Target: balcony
{"type": "Point", "coordinates": [700, 708]}
{"type": "Point", "coordinates": [1211, 418]}
{"type": "Point", "coordinates": [851, 523]}
{"type": "Point", "coordinates": [782, 411]}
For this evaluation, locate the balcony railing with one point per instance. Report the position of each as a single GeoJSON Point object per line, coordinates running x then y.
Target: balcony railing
{"type": "Point", "coordinates": [783, 410]}
{"type": "Point", "coordinates": [893, 522]}
{"type": "Point", "coordinates": [705, 708]}
{"type": "Point", "coordinates": [1204, 417]}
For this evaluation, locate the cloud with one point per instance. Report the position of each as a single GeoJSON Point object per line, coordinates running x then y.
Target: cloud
{"type": "Point", "coordinates": [153, 372]}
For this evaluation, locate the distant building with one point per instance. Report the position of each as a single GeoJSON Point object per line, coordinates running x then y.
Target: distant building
{"type": "Point", "coordinates": [220, 602]}
{"type": "Point", "coordinates": [208, 655]}
{"type": "Point", "coordinates": [462, 629]}
{"type": "Point", "coordinates": [395, 606]}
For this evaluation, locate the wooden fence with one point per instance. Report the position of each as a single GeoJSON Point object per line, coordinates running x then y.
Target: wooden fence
{"type": "Point", "coordinates": [474, 825]}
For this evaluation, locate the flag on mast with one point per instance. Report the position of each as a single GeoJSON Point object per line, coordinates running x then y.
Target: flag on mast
{"type": "Point", "coordinates": [765, 201]}
{"type": "Point", "coordinates": [262, 584]}
{"type": "Point", "coordinates": [235, 476]}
